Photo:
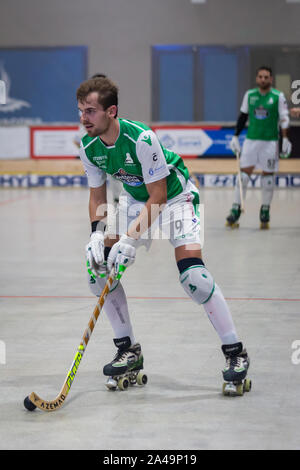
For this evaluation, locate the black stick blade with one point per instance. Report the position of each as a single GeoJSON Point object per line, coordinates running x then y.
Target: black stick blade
{"type": "Point", "coordinates": [29, 405]}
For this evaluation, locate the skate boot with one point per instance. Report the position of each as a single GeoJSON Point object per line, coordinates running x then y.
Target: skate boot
{"type": "Point", "coordinates": [125, 368]}
{"type": "Point", "coordinates": [235, 371]}
{"type": "Point", "coordinates": [232, 219]}
{"type": "Point", "coordinates": [264, 216]}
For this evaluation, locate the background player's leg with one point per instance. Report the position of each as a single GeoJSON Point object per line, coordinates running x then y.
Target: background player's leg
{"type": "Point", "coordinates": [267, 187]}
{"type": "Point", "coordinates": [235, 211]}
{"type": "Point", "coordinates": [269, 163]}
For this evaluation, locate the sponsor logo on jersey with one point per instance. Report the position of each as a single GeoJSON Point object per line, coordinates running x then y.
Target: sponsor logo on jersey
{"type": "Point", "coordinates": [261, 113]}
{"type": "Point", "coordinates": [127, 178]}
{"type": "Point", "coordinates": [100, 161]}
{"type": "Point", "coordinates": [253, 99]}
{"type": "Point", "coordinates": [155, 170]}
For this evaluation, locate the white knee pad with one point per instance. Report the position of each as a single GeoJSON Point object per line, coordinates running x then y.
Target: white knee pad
{"type": "Point", "coordinates": [268, 182]}
{"type": "Point", "coordinates": [97, 285]}
{"type": "Point", "coordinates": [198, 283]}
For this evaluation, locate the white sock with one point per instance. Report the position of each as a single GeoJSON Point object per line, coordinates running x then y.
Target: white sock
{"type": "Point", "coordinates": [116, 309]}
{"type": "Point", "coordinates": [219, 314]}
{"type": "Point", "coordinates": [245, 180]}
{"type": "Point", "coordinates": [267, 186]}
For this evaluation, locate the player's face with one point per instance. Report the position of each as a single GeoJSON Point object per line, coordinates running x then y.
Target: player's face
{"type": "Point", "coordinates": [264, 79]}
{"type": "Point", "coordinates": [95, 119]}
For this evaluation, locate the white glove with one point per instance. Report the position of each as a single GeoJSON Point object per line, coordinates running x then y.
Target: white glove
{"type": "Point", "coordinates": [122, 253]}
{"type": "Point", "coordinates": [286, 148]}
{"type": "Point", "coordinates": [97, 247]}
{"type": "Point", "coordinates": [94, 251]}
{"type": "Point", "coordinates": [235, 144]}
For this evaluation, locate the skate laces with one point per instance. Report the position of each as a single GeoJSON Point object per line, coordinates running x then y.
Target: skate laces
{"type": "Point", "coordinates": [121, 356]}
{"type": "Point", "coordinates": [236, 362]}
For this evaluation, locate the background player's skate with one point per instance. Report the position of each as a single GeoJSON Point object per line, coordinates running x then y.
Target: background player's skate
{"type": "Point", "coordinates": [264, 216]}
{"type": "Point", "coordinates": [125, 368]}
{"type": "Point", "coordinates": [233, 217]}
{"type": "Point", "coordinates": [235, 371]}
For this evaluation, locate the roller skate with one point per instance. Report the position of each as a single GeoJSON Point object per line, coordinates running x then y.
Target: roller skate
{"type": "Point", "coordinates": [264, 216]}
{"type": "Point", "coordinates": [125, 368]}
{"type": "Point", "coordinates": [232, 219]}
{"type": "Point", "coordinates": [235, 371]}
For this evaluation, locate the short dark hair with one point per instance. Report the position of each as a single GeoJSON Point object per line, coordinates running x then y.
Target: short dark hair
{"type": "Point", "coordinates": [106, 89]}
{"type": "Point", "coordinates": [98, 75]}
{"type": "Point", "coordinates": [265, 67]}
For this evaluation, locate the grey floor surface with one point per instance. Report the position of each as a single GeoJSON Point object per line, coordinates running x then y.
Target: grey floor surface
{"type": "Point", "coordinates": [46, 304]}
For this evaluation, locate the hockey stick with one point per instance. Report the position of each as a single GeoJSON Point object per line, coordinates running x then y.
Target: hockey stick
{"type": "Point", "coordinates": [33, 400]}
{"type": "Point", "coordinates": [240, 182]}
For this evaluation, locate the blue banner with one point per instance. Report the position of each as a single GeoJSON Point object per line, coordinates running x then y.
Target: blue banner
{"type": "Point", "coordinates": [41, 83]}
{"type": "Point", "coordinates": [220, 141]}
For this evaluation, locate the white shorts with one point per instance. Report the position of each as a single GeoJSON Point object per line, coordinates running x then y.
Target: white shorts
{"type": "Point", "coordinates": [179, 222]}
{"type": "Point", "coordinates": [261, 153]}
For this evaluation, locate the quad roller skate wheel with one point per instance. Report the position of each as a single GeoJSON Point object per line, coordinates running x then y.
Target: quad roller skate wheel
{"type": "Point", "coordinates": [233, 225]}
{"type": "Point", "coordinates": [123, 383]}
{"type": "Point", "coordinates": [247, 385]}
{"type": "Point", "coordinates": [141, 378]}
{"type": "Point", "coordinates": [231, 390]}
{"type": "Point", "coordinates": [236, 389]}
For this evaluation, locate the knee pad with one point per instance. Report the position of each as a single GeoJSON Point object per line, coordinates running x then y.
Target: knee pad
{"type": "Point", "coordinates": [97, 285]}
{"type": "Point", "coordinates": [198, 283]}
{"type": "Point", "coordinates": [268, 182]}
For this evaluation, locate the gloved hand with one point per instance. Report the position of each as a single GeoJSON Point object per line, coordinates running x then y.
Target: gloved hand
{"type": "Point", "coordinates": [95, 255]}
{"type": "Point", "coordinates": [286, 148]}
{"type": "Point", "coordinates": [122, 253]}
{"type": "Point", "coordinates": [97, 246]}
{"type": "Point", "coordinates": [235, 144]}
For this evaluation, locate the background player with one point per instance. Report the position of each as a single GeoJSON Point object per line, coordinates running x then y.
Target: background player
{"type": "Point", "coordinates": [155, 180]}
{"type": "Point", "coordinates": [265, 108]}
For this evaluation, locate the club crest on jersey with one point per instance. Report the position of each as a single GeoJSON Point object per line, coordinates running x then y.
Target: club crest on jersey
{"type": "Point", "coordinates": [127, 178]}
{"type": "Point", "coordinates": [261, 113]}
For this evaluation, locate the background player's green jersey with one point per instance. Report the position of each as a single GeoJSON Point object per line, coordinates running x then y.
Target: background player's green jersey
{"type": "Point", "coordinates": [136, 159]}
{"type": "Point", "coordinates": [264, 113]}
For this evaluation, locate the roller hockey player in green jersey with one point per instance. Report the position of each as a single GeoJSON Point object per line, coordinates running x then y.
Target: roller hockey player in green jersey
{"type": "Point", "coordinates": [266, 109]}
{"type": "Point", "coordinates": [156, 189]}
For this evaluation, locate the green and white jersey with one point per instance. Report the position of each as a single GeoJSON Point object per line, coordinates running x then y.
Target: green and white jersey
{"type": "Point", "coordinates": [265, 114]}
{"type": "Point", "coordinates": [136, 159]}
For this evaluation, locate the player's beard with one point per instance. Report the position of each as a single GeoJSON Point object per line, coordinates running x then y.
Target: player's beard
{"type": "Point", "coordinates": [96, 131]}
{"type": "Point", "coordinates": [265, 86]}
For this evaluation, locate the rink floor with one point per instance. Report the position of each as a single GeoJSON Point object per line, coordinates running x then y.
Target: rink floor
{"type": "Point", "coordinates": [46, 304]}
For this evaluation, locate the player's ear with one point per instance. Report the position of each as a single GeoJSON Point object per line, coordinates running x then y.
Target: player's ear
{"type": "Point", "coordinates": [112, 111]}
